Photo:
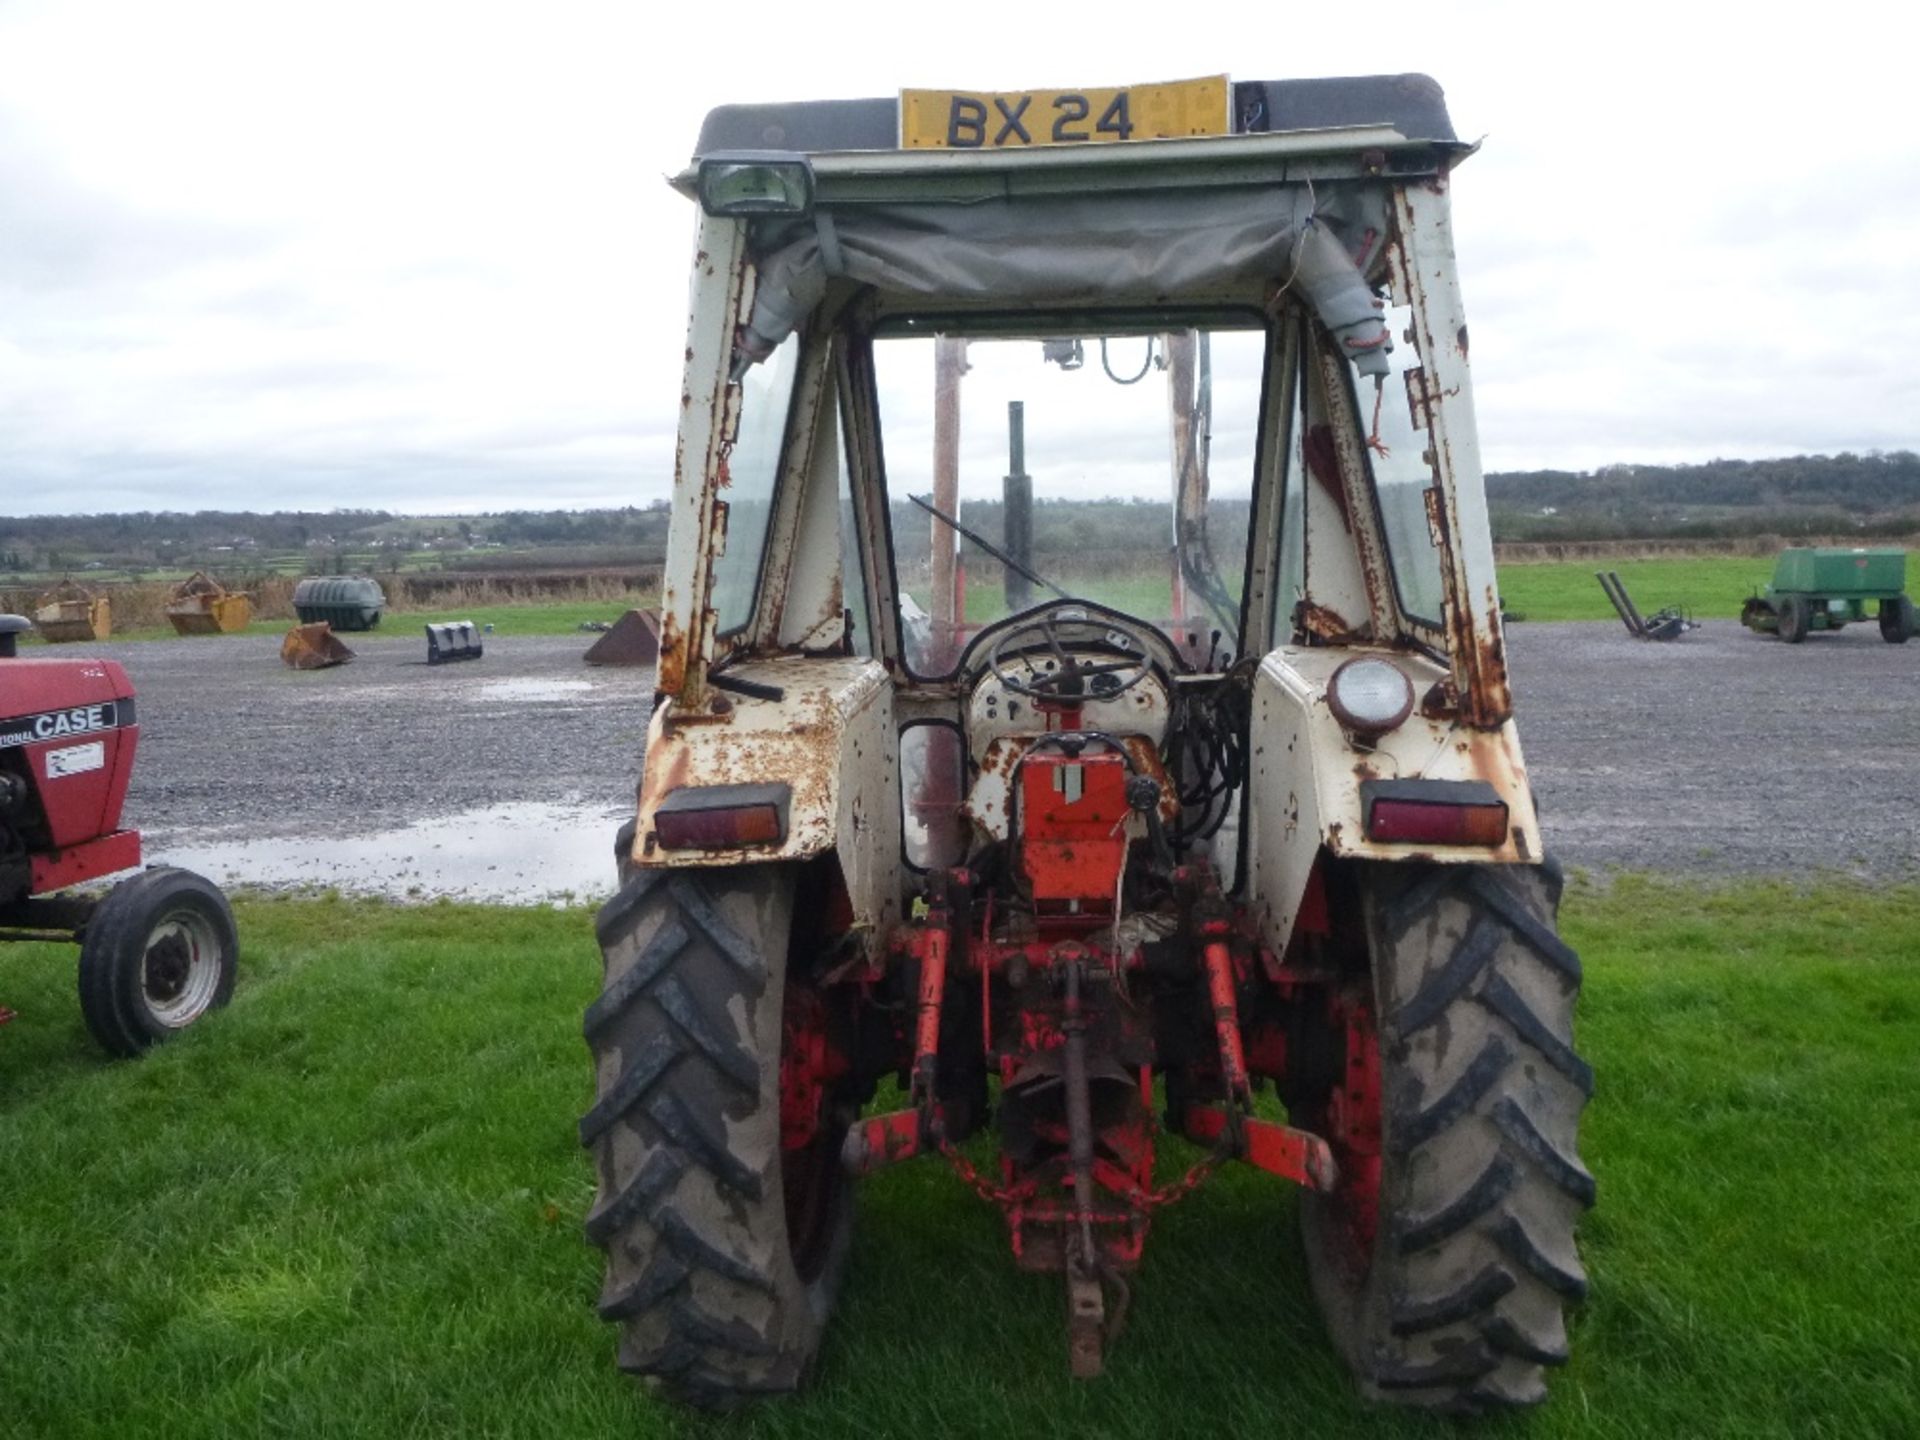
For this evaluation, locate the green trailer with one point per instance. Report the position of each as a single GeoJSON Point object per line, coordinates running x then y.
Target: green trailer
{"type": "Point", "coordinates": [1824, 589]}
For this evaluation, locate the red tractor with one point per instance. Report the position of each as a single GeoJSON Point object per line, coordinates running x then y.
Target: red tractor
{"type": "Point", "coordinates": [159, 949]}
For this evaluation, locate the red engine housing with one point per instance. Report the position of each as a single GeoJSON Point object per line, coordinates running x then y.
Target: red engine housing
{"type": "Point", "coordinates": [68, 730]}
{"type": "Point", "coordinates": [1073, 836]}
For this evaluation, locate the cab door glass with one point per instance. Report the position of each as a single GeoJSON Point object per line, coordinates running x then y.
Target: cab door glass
{"type": "Point", "coordinates": [1402, 475]}
{"type": "Point", "coordinates": [853, 578]}
{"type": "Point", "coordinates": [1290, 578]}
{"type": "Point", "coordinates": [753, 471]}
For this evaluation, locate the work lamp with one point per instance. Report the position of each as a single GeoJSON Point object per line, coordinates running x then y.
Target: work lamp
{"type": "Point", "coordinates": [775, 182]}
{"type": "Point", "coordinates": [1370, 696]}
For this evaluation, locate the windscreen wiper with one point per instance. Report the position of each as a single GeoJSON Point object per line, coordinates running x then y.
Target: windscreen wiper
{"type": "Point", "coordinates": [995, 551]}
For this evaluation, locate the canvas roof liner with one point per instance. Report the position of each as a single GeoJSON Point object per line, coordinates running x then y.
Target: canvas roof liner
{"type": "Point", "coordinates": [1105, 248]}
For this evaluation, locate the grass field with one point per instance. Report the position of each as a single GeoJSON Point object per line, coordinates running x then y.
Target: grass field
{"type": "Point", "coordinates": [350, 1205]}
{"type": "Point", "coordinates": [561, 618]}
{"type": "Point", "coordinates": [1711, 587]}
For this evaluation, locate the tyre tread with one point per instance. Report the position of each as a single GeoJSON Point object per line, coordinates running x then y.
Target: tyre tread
{"type": "Point", "coordinates": [663, 1277]}
{"type": "Point", "coordinates": [1563, 1172]}
{"type": "Point", "coordinates": [659, 1174]}
{"type": "Point", "coordinates": [636, 1082]}
{"type": "Point", "coordinates": [667, 942]}
{"type": "Point", "coordinates": [707, 1035]}
{"type": "Point", "coordinates": [1537, 934]}
{"type": "Point", "coordinates": [1465, 1366]}
{"type": "Point", "coordinates": [1466, 1306]}
{"type": "Point", "coordinates": [1512, 1237]}
{"type": "Point", "coordinates": [1507, 1003]}
{"type": "Point", "coordinates": [680, 1125]}
{"type": "Point", "coordinates": [1419, 1125]}
{"type": "Point", "coordinates": [1450, 980]}
{"type": "Point", "coordinates": [698, 907]}
{"type": "Point", "coordinates": [701, 1316]}
{"type": "Point", "coordinates": [1462, 1303]}
{"type": "Point", "coordinates": [1509, 1339]}
{"type": "Point", "coordinates": [1494, 1184]}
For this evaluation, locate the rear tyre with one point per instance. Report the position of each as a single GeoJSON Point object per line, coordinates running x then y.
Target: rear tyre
{"type": "Point", "coordinates": [1795, 619]}
{"type": "Point", "coordinates": [160, 951]}
{"type": "Point", "coordinates": [1896, 620]}
{"type": "Point", "coordinates": [1444, 1280]}
{"type": "Point", "coordinates": [724, 1240]}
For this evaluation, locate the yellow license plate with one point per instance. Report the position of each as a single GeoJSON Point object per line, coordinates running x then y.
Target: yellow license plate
{"type": "Point", "coordinates": [1017, 119]}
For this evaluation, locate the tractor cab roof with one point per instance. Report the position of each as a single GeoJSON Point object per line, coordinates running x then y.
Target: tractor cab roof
{"type": "Point", "coordinates": [1263, 131]}
{"type": "Point", "coordinates": [1207, 190]}
{"type": "Point", "coordinates": [1411, 105]}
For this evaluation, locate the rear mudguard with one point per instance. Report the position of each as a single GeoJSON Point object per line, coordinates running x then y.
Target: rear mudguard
{"type": "Point", "coordinates": [1305, 775]}
{"type": "Point", "coordinates": [829, 737]}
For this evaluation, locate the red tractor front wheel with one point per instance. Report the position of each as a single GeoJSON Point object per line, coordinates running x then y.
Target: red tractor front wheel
{"type": "Point", "coordinates": [159, 952]}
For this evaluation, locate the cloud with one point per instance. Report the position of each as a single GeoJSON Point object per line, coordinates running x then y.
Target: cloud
{"type": "Point", "coordinates": [422, 255]}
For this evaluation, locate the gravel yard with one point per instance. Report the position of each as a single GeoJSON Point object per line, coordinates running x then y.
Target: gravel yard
{"type": "Point", "coordinates": [1719, 753]}
{"type": "Point", "coordinates": [498, 778]}
{"type": "Point", "coordinates": [231, 740]}
{"type": "Point", "coordinates": [1723, 752]}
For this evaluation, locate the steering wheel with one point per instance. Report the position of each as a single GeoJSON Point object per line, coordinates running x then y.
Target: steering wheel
{"type": "Point", "coordinates": [1068, 680]}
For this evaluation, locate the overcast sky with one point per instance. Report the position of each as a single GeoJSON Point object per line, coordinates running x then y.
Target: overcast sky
{"type": "Point", "coordinates": [422, 257]}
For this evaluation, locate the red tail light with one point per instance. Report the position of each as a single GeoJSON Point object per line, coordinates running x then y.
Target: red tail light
{"type": "Point", "coordinates": [1434, 812]}
{"type": "Point", "coordinates": [722, 817]}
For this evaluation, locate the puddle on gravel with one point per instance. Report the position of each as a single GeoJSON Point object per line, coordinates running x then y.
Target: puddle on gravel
{"type": "Point", "coordinates": [531, 691]}
{"type": "Point", "coordinates": [505, 854]}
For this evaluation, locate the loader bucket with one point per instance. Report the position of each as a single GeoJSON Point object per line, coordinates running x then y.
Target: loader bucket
{"type": "Point", "coordinates": [452, 640]}
{"type": "Point", "coordinates": [313, 647]}
{"type": "Point", "coordinates": [633, 640]}
{"type": "Point", "coordinates": [71, 612]}
{"type": "Point", "coordinates": [201, 605]}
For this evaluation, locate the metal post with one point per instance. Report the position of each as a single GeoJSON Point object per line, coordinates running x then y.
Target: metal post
{"type": "Point", "coordinates": [1017, 510]}
{"type": "Point", "coordinates": [1086, 1302]}
{"type": "Point", "coordinates": [1188, 498]}
{"type": "Point", "coordinates": [949, 364]}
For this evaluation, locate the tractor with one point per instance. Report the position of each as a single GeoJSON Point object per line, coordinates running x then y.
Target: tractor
{"type": "Point", "coordinates": [158, 950]}
{"type": "Point", "coordinates": [1088, 804]}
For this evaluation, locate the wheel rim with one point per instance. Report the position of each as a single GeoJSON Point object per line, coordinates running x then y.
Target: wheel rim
{"type": "Point", "coordinates": [1353, 1130]}
{"type": "Point", "coordinates": [180, 969]}
{"type": "Point", "coordinates": [811, 1178]}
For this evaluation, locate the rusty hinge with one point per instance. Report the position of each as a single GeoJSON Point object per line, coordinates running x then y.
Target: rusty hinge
{"type": "Point", "coordinates": [1417, 397]}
